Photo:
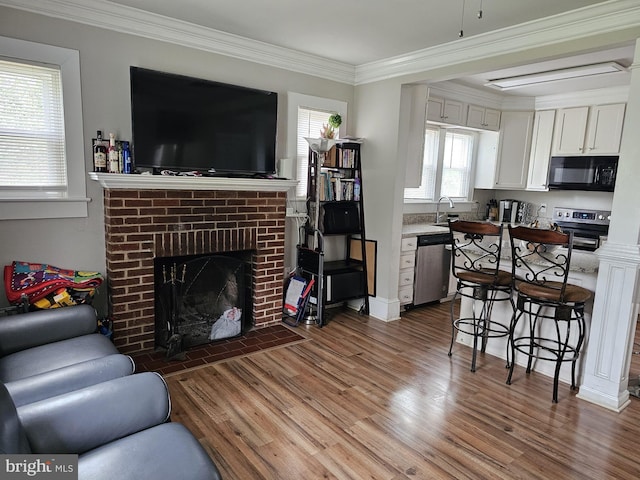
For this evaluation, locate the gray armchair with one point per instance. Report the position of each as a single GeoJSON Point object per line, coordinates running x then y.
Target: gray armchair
{"type": "Point", "coordinates": [49, 352]}
{"type": "Point", "coordinates": [118, 428]}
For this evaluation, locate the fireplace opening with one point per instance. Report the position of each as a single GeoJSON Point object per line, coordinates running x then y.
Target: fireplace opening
{"type": "Point", "coordinates": [201, 299]}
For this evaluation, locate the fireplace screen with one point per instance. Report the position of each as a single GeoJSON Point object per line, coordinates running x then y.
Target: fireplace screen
{"type": "Point", "coordinates": [199, 300]}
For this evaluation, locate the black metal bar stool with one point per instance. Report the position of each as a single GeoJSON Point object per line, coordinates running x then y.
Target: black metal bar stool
{"type": "Point", "coordinates": [540, 269]}
{"type": "Point", "coordinates": [475, 261]}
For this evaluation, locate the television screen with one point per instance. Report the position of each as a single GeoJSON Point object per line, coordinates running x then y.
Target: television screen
{"type": "Point", "coordinates": [181, 123]}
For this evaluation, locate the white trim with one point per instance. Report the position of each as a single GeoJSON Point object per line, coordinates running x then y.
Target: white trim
{"type": "Point", "coordinates": [69, 62]}
{"type": "Point", "coordinates": [606, 17]}
{"type": "Point", "coordinates": [133, 21]}
{"type": "Point", "coordinates": [33, 209]}
{"type": "Point", "coordinates": [166, 182]}
{"type": "Point", "coordinates": [295, 100]}
{"type": "Point", "coordinates": [587, 97]}
{"type": "Point", "coordinates": [385, 309]}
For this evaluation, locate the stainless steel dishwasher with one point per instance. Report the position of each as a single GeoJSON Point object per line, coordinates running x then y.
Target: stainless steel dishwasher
{"type": "Point", "coordinates": [433, 264]}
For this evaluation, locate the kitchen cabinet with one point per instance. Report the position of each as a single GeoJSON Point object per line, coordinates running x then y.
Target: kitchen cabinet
{"type": "Point", "coordinates": [407, 269]}
{"type": "Point", "coordinates": [509, 169]}
{"type": "Point", "coordinates": [445, 111]}
{"type": "Point", "coordinates": [541, 142]}
{"type": "Point", "coordinates": [588, 130]}
{"type": "Point", "coordinates": [570, 131]}
{"type": "Point", "coordinates": [605, 129]}
{"type": "Point", "coordinates": [483, 118]}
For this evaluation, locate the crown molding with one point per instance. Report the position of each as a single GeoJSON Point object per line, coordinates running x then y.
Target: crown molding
{"type": "Point", "coordinates": [133, 21]}
{"type": "Point", "coordinates": [602, 18]}
{"type": "Point", "coordinates": [586, 97]}
{"type": "Point", "coordinates": [449, 89]}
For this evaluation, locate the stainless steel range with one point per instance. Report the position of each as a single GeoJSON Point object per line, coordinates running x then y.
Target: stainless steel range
{"type": "Point", "coordinates": [590, 227]}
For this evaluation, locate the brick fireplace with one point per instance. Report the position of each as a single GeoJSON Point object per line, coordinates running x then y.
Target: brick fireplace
{"type": "Point", "coordinates": [149, 217]}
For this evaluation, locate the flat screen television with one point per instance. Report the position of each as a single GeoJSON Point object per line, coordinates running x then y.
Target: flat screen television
{"type": "Point", "coordinates": [189, 124]}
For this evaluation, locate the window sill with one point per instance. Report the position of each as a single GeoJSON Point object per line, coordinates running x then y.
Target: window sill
{"type": "Point", "coordinates": [39, 208]}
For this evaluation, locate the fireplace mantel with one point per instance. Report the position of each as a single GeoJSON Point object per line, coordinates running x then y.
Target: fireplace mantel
{"type": "Point", "coordinates": [166, 182]}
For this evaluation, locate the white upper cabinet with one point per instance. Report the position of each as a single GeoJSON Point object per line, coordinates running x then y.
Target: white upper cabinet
{"type": "Point", "coordinates": [505, 165]}
{"type": "Point", "coordinates": [484, 118]}
{"type": "Point", "coordinates": [445, 111]}
{"type": "Point", "coordinates": [514, 148]}
{"type": "Point", "coordinates": [540, 150]}
{"type": "Point", "coordinates": [570, 131]}
{"type": "Point", "coordinates": [588, 130]}
{"type": "Point", "coordinates": [605, 128]}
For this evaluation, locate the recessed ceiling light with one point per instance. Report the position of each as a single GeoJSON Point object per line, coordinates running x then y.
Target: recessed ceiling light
{"type": "Point", "coordinates": [555, 75]}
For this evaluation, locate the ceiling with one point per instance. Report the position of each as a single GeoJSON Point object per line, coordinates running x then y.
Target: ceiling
{"type": "Point", "coordinates": [358, 32]}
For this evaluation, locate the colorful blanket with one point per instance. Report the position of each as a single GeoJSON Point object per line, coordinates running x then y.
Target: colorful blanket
{"type": "Point", "coordinates": [37, 280]}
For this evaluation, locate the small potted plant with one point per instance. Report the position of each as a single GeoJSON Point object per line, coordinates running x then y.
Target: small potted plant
{"type": "Point", "coordinates": [329, 130]}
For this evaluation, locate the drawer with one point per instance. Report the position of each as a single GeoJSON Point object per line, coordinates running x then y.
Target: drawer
{"type": "Point", "coordinates": [405, 295]}
{"type": "Point", "coordinates": [409, 244]}
{"type": "Point", "coordinates": [407, 260]}
{"type": "Point", "coordinates": [406, 277]}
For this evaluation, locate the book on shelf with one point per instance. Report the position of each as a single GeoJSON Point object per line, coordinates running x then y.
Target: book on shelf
{"type": "Point", "coordinates": [330, 158]}
{"type": "Point", "coordinates": [346, 158]}
{"type": "Point", "coordinates": [335, 185]}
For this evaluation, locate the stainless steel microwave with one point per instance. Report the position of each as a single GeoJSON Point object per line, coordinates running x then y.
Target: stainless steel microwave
{"type": "Point", "coordinates": [593, 173]}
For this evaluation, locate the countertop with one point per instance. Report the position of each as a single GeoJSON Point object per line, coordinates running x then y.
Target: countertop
{"type": "Point", "coordinates": [581, 261]}
{"type": "Point", "coordinates": [413, 230]}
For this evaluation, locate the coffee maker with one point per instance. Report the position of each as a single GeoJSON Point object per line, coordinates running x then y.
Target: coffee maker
{"type": "Point", "coordinates": [509, 210]}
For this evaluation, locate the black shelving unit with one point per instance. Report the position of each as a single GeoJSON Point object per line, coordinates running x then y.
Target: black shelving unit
{"type": "Point", "coordinates": [338, 212]}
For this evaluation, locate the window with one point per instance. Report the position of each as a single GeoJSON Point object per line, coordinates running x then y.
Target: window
{"type": "Point", "coordinates": [447, 162]}
{"type": "Point", "coordinates": [309, 124]}
{"type": "Point", "coordinates": [42, 169]}
{"type": "Point", "coordinates": [32, 155]}
{"type": "Point", "coordinates": [306, 115]}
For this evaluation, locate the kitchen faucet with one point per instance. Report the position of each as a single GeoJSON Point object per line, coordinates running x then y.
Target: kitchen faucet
{"type": "Point", "coordinates": [438, 206]}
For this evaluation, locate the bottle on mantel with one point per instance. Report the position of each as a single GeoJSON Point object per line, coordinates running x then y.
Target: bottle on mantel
{"type": "Point", "coordinates": [127, 166]}
{"type": "Point", "coordinates": [113, 156]}
{"type": "Point", "coordinates": [99, 155]}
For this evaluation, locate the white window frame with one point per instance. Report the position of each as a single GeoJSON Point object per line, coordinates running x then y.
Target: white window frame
{"type": "Point", "coordinates": [296, 100]}
{"type": "Point", "coordinates": [71, 203]}
{"type": "Point", "coordinates": [442, 131]}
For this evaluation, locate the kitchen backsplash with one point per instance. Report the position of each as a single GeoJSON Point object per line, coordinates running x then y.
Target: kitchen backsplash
{"type": "Point", "coordinates": [420, 218]}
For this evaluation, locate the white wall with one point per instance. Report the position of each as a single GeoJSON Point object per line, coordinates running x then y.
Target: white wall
{"type": "Point", "coordinates": [105, 57]}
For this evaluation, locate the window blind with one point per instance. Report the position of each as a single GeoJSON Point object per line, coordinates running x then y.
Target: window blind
{"type": "Point", "coordinates": [32, 135]}
{"type": "Point", "coordinates": [456, 169]}
{"type": "Point", "coordinates": [309, 125]}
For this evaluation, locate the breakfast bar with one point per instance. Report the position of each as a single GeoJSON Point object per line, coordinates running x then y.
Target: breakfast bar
{"type": "Point", "coordinates": [582, 272]}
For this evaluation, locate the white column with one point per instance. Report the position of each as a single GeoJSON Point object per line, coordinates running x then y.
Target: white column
{"type": "Point", "coordinates": [615, 308]}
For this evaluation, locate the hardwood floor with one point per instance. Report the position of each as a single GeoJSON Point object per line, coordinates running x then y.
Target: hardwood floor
{"type": "Point", "coordinates": [365, 399]}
